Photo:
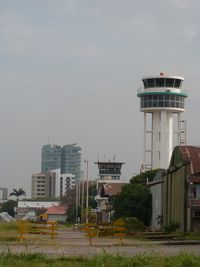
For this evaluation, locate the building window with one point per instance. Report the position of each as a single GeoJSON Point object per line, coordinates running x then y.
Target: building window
{"type": "Point", "coordinates": [197, 191]}
{"type": "Point", "coordinates": [170, 82]}
{"type": "Point", "coordinates": [159, 82]}
{"type": "Point", "coordinates": [151, 82]}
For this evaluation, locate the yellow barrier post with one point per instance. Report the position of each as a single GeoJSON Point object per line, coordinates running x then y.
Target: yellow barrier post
{"type": "Point", "coordinates": [53, 230]}
{"type": "Point", "coordinates": [26, 228]}
{"type": "Point", "coordinates": [119, 230]}
{"type": "Point", "coordinates": [22, 226]}
{"type": "Point", "coordinates": [91, 231]}
{"type": "Point", "coordinates": [105, 229]}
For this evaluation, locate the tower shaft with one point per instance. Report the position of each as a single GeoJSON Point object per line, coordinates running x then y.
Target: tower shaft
{"type": "Point", "coordinates": [162, 128]}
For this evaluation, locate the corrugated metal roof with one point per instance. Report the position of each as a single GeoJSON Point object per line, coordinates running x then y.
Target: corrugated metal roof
{"type": "Point", "coordinates": [195, 202]}
{"type": "Point", "coordinates": [110, 189]}
{"type": "Point", "coordinates": [194, 179]}
{"type": "Point", "coordinates": [192, 153]}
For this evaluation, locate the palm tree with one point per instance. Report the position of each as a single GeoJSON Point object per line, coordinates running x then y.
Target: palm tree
{"type": "Point", "coordinates": [18, 193]}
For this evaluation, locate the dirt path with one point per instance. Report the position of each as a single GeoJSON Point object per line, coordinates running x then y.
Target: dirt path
{"type": "Point", "coordinates": [74, 243]}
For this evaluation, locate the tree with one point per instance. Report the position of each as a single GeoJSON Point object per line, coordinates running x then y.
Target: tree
{"type": "Point", "coordinates": [133, 201]}
{"type": "Point", "coordinates": [18, 193]}
{"type": "Point", "coordinates": [92, 195]}
{"type": "Point", "coordinates": [142, 177]}
{"type": "Point", "coordinates": [71, 214]}
{"type": "Point", "coordinates": [69, 199]}
{"type": "Point", "coordinates": [9, 207]}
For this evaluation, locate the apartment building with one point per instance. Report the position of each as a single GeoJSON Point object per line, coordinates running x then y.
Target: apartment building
{"type": "Point", "coordinates": [43, 185]}
{"type": "Point", "coordinates": [67, 183]}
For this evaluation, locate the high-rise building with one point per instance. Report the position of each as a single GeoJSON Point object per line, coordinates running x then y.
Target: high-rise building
{"type": "Point", "coordinates": [162, 100]}
{"type": "Point", "coordinates": [66, 158]}
{"type": "Point", "coordinates": [51, 157]}
{"type": "Point", "coordinates": [71, 160]}
{"type": "Point", "coordinates": [4, 195]}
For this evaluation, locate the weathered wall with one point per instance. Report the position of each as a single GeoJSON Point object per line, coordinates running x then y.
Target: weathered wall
{"type": "Point", "coordinates": [156, 191]}
{"type": "Point", "coordinates": [174, 192]}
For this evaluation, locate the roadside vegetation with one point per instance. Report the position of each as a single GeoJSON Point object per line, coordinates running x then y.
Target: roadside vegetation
{"type": "Point", "coordinates": [8, 232]}
{"type": "Point", "coordinates": [103, 260]}
{"type": "Point", "coordinates": [135, 198]}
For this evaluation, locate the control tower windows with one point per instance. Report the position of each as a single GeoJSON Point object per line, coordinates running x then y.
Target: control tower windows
{"type": "Point", "coordinates": [162, 82]}
{"type": "Point", "coordinates": [145, 83]}
{"type": "Point", "coordinates": [177, 83]}
{"type": "Point", "coordinates": [169, 82]}
{"type": "Point", "coordinates": [151, 83]}
{"type": "Point", "coordinates": [155, 101]}
{"type": "Point", "coordinates": [151, 101]}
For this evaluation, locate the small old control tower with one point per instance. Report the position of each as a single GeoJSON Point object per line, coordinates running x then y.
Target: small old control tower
{"type": "Point", "coordinates": [109, 183]}
{"type": "Point", "coordinates": [162, 100]}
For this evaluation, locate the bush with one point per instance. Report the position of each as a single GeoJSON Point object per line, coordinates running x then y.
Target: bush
{"type": "Point", "coordinates": [133, 225]}
{"type": "Point", "coordinates": [171, 227]}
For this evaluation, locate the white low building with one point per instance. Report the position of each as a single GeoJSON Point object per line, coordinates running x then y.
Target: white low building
{"type": "Point", "coordinates": [27, 209]}
{"type": "Point", "coordinates": [67, 183]}
{"type": "Point", "coordinates": [57, 213]}
{"type": "Point", "coordinates": [37, 204]}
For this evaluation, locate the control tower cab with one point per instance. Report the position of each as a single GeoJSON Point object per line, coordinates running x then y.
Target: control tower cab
{"type": "Point", "coordinates": [163, 98]}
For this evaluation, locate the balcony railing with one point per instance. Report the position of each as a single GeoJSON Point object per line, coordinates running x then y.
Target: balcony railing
{"type": "Point", "coordinates": [143, 90]}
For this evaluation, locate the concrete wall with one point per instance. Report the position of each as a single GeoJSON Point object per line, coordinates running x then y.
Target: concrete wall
{"type": "Point", "coordinates": [156, 191]}
{"type": "Point", "coordinates": [37, 204]}
{"type": "Point", "coordinates": [174, 198]}
{"type": "Point", "coordinates": [55, 217]}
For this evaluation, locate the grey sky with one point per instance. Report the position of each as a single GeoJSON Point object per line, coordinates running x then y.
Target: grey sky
{"type": "Point", "coordinates": [69, 70]}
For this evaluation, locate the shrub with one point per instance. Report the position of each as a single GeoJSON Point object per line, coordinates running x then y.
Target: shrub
{"type": "Point", "coordinates": [133, 225]}
{"type": "Point", "coordinates": [171, 227]}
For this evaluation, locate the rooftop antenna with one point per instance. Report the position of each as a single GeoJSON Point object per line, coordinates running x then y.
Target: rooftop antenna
{"type": "Point", "coordinates": [114, 157]}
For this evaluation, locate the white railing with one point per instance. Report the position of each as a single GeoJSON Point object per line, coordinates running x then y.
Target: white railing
{"type": "Point", "coordinates": [161, 89]}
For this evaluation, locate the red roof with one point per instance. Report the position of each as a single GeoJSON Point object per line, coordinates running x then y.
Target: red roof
{"type": "Point", "coordinates": [57, 210]}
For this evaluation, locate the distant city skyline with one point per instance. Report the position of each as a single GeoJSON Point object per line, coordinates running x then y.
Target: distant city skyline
{"type": "Point", "coordinates": [70, 71]}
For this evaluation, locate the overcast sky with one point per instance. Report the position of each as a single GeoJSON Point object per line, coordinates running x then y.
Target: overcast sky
{"type": "Point", "coordinates": [69, 72]}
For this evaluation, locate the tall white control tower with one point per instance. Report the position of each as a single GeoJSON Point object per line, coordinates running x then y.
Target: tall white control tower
{"type": "Point", "coordinates": [162, 100]}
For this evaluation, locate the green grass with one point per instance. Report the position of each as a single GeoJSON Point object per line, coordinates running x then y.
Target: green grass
{"type": "Point", "coordinates": [103, 260]}
{"type": "Point", "coordinates": [8, 226]}
{"type": "Point", "coordinates": [192, 236]}
{"type": "Point", "coordinates": [8, 232]}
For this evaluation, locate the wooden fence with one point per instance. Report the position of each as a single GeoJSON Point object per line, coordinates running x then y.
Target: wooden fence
{"type": "Point", "coordinates": [116, 229]}
{"type": "Point", "coordinates": [28, 229]}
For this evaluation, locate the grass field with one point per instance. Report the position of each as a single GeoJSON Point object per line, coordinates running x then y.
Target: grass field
{"type": "Point", "coordinates": [8, 232]}
{"type": "Point", "coordinates": [8, 237]}
{"type": "Point", "coordinates": [104, 260]}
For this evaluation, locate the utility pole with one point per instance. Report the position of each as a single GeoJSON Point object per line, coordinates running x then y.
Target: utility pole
{"type": "Point", "coordinates": [76, 200]}
{"type": "Point", "coordinates": [82, 196]}
{"type": "Point", "coordinates": [87, 191]}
